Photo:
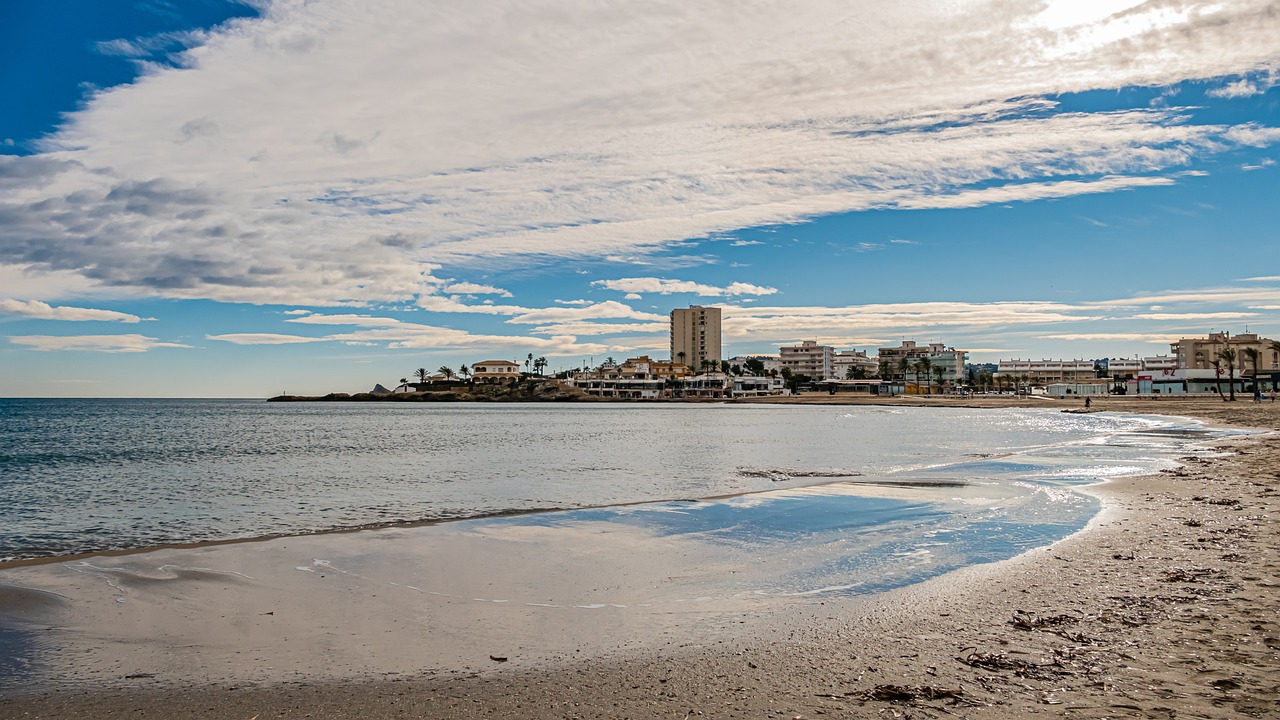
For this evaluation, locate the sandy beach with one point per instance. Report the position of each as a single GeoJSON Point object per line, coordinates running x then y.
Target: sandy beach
{"type": "Point", "coordinates": [1167, 606]}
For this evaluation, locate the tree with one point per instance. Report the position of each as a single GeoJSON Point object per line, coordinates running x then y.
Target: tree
{"type": "Point", "coordinates": [926, 367]}
{"type": "Point", "coordinates": [1217, 374]}
{"type": "Point", "coordinates": [709, 366]}
{"type": "Point", "coordinates": [1229, 356]}
{"type": "Point", "coordinates": [939, 372]}
{"type": "Point", "coordinates": [404, 381]}
{"type": "Point", "coordinates": [528, 361]}
{"type": "Point", "coordinates": [754, 366]}
{"type": "Point", "coordinates": [446, 371]}
{"type": "Point", "coordinates": [885, 370]}
{"type": "Point", "coordinates": [903, 365]}
{"type": "Point", "coordinates": [1253, 354]}
{"type": "Point", "coordinates": [736, 369]}
{"type": "Point", "coordinates": [681, 355]}
{"type": "Point", "coordinates": [724, 367]}
{"type": "Point", "coordinates": [539, 365]}
{"type": "Point", "coordinates": [464, 371]}
{"type": "Point", "coordinates": [422, 374]}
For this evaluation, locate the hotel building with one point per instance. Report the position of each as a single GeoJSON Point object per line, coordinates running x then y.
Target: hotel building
{"type": "Point", "coordinates": [695, 336]}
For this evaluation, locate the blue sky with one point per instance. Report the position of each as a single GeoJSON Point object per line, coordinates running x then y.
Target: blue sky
{"type": "Point", "coordinates": [212, 198]}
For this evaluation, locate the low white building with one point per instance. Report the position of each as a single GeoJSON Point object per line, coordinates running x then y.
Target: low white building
{"type": "Point", "coordinates": [1046, 372]}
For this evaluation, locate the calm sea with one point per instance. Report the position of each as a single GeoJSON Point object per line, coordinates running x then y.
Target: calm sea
{"type": "Point", "coordinates": [89, 475]}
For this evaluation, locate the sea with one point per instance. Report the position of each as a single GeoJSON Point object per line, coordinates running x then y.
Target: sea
{"type": "Point", "coordinates": [967, 485]}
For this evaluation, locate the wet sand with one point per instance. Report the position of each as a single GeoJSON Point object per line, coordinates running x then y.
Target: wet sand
{"type": "Point", "coordinates": [1165, 607]}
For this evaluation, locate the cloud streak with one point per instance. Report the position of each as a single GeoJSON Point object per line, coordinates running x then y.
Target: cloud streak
{"type": "Point", "coordinates": [44, 311]}
{"type": "Point", "coordinates": [132, 343]}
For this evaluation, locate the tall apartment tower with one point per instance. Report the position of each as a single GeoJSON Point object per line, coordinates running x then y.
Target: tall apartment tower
{"type": "Point", "coordinates": [695, 335]}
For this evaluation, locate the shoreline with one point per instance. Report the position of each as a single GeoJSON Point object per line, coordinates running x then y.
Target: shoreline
{"type": "Point", "coordinates": [1169, 596]}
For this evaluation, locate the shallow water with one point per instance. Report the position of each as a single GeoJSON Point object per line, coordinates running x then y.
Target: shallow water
{"type": "Point", "coordinates": [88, 475]}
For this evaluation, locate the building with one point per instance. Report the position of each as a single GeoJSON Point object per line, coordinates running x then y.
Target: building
{"type": "Point", "coordinates": [771, 364]}
{"type": "Point", "coordinates": [808, 358]}
{"type": "Point", "coordinates": [944, 362]}
{"type": "Point", "coordinates": [695, 336]}
{"type": "Point", "coordinates": [853, 364]}
{"type": "Point", "coordinates": [1200, 353]}
{"type": "Point", "coordinates": [1048, 372]}
{"type": "Point", "coordinates": [495, 371]}
{"type": "Point", "coordinates": [1125, 368]}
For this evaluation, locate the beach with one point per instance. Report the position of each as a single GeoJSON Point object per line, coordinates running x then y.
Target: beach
{"type": "Point", "coordinates": [1165, 606]}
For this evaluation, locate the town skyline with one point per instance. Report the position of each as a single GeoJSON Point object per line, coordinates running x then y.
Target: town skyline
{"type": "Point", "coordinates": [232, 199]}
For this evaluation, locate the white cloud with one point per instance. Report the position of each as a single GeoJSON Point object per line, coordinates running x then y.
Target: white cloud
{"type": "Point", "coordinates": [466, 288]}
{"type": "Point", "coordinates": [93, 343]}
{"type": "Point", "coordinates": [1238, 89]}
{"type": "Point", "coordinates": [745, 243]}
{"type": "Point", "coordinates": [297, 312]}
{"type": "Point", "coordinates": [44, 311]}
{"type": "Point", "coordinates": [1120, 336]}
{"type": "Point", "coordinates": [263, 339]}
{"type": "Point", "coordinates": [1196, 316]}
{"type": "Point", "coordinates": [368, 144]}
{"type": "Point", "coordinates": [632, 296]}
{"type": "Point", "coordinates": [663, 286]}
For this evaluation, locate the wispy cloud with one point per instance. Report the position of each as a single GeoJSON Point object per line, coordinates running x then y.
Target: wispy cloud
{"type": "Point", "coordinates": [263, 339]}
{"type": "Point", "coordinates": [466, 288]}
{"type": "Point", "coordinates": [664, 286]}
{"type": "Point", "coordinates": [341, 175]}
{"type": "Point", "coordinates": [93, 343]}
{"type": "Point", "coordinates": [45, 311]}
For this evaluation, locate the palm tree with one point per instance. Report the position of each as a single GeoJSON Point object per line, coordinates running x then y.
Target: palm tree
{"type": "Point", "coordinates": [926, 366]}
{"type": "Point", "coordinates": [464, 371]}
{"type": "Point", "coordinates": [903, 365]}
{"type": "Point", "coordinates": [939, 372]}
{"type": "Point", "coordinates": [681, 355]}
{"type": "Point", "coordinates": [404, 381]}
{"type": "Point", "coordinates": [422, 374]}
{"type": "Point", "coordinates": [1252, 353]}
{"type": "Point", "coordinates": [528, 361]}
{"type": "Point", "coordinates": [1217, 374]}
{"type": "Point", "coordinates": [446, 371]}
{"type": "Point", "coordinates": [539, 365]}
{"type": "Point", "coordinates": [1229, 356]}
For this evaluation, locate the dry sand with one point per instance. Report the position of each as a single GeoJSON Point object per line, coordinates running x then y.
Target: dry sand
{"type": "Point", "coordinates": [1166, 607]}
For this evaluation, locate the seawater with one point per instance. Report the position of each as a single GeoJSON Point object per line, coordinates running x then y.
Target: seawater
{"type": "Point", "coordinates": [946, 485]}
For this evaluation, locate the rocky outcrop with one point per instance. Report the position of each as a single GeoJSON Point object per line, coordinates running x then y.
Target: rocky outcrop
{"type": "Point", "coordinates": [533, 390]}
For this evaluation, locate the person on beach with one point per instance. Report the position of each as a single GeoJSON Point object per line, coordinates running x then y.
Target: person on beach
{"type": "Point", "coordinates": [1088, 402]}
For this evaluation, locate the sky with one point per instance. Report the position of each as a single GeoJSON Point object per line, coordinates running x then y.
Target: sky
{"type": "Point", "coordinates": [207, 198]}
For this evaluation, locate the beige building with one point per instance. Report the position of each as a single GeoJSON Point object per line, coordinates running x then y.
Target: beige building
{"type": "Point", "coordinates": [695, 336]}
{"type": "Point", "coordinates": [495, 371]}
{"type": "Point", "coordinates": [1199, 353]}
